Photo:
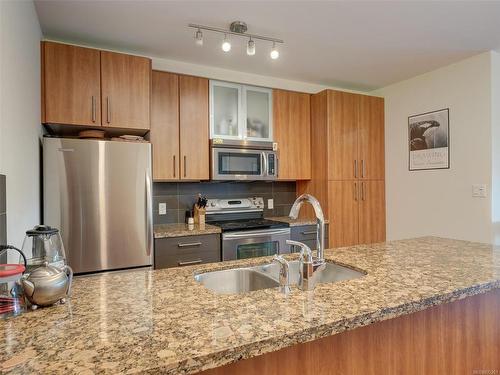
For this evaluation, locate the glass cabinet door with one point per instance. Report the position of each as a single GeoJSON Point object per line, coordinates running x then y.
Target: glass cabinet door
{"type": "Point", "coordinates": [258, 104]}
{"type": "Point", "coordinates": [225, 109]}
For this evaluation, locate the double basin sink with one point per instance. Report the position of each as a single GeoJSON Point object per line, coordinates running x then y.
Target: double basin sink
{"type": "Point", "coordinates": [247, 279]}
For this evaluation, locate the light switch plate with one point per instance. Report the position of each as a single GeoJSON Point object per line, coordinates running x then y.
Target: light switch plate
{"type": "Point", "coordinates": [479, 191]}
{"type": "Point", "coordinates": [270, 204]}
{"type": "Point", "coordinates": [162, 209]}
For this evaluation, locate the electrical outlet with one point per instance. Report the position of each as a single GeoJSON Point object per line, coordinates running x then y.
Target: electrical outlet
{"type": "Point", "coordinates": [479, 191]}
{"type": "Point", "coordinates": [270, 204]}
{"type": "Point", "coordinates": [162, 209]}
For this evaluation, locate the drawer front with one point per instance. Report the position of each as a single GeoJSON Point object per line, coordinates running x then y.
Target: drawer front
{"type": "Point", "coordinates": [186, 251]}
{"type": "Point", "coordinates": [307, 235]}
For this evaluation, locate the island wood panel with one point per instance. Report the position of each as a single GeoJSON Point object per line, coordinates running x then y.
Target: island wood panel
{"type": "Point", "coordinates": [371, 138]}
{"type": "Point", "coordinates": [371, 211]}
{"type": "Point", "coordinates": [461, 337]}
{"type": "Point", "coordinates": [343, 135]}
{"type": "Point", "coordinates": [292, 132]}
{"type": "Point", "coordinates": [343, 200]}
{"type": "Point", "coordinates": [126, 90]}
{"type": "Point", "coordinates": [318, 185]}
{"type": "Point", "coordinates": [71, 85]}
{"type": "Point", "coordinates": [194, 131]}
{"type": "Point", "coordinates": [164, 134]}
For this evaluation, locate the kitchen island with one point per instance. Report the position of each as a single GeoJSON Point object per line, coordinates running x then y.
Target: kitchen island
{"type": "Point", "coordinates": [163, 321]}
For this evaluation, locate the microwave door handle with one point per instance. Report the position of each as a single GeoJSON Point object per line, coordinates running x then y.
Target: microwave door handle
{"type": "Point", "coordinates": [264, 164]}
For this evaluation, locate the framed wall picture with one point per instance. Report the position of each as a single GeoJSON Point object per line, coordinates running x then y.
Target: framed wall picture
{"type": "Point", "coordinates": [429, 140]}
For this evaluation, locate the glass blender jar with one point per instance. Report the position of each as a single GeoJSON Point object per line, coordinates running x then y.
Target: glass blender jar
{"type": "Point", "coordinates": [43, 244]}
{"type": "Point", "coordinates": [11, 297]}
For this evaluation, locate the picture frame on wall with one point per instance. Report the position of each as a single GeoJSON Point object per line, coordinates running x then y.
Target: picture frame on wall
{"type": "Point", "coordinates": [429, 140]}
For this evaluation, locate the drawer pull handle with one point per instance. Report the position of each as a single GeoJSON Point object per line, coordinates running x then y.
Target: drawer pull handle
{"type": "Point", "coordinates": [189, 244]}
{"type": "Point", "coordinates": [309, 232]}
{"type": "Point", "coordinates": [189, 263]}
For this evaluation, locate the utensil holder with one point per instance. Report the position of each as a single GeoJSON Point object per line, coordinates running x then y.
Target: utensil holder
{"type": "Point", "coordinates": [199, 215]}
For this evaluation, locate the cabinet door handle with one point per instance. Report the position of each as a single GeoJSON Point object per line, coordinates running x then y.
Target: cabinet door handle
{"type": "Point", "coordinates": [309, 232]}
{"type": "Point", "coordinates": [185, 164]}
{"type": "Point", "coordinates": [189, 244]}
{"type": "Point", "coordinates": [355, 168]}
{"type": "Point", "coordinates": [191, 262]}
{"type": "Point", "coordinates": [362, 191]}
{"type": "Point", "coordinates": [93, 108]}
{"type": "Point", "coordinates": [108, 110]}
{"type": "Point", "coordinates": [174, 165]}
{"type": "Point", "coordinates": [362, 168]}
{"type": "Point", "coordinates": [355, 191]}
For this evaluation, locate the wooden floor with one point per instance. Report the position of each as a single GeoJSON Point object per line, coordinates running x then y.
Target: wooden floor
{"type": "Point", "coordinates": [461, 337]}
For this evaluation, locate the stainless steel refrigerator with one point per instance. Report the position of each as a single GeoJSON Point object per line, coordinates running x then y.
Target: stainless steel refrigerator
{"type": "Point", "coordinates": [98, 193]}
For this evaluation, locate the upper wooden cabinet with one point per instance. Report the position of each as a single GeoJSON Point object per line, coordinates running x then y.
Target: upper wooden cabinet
{"type": "Point", "coordinates": [83, 86]}
{"type": "Point", "coordinates": [179, 127]}
{"type": "Point", "coordinates": [356, 136]}
{"type": "Point", "coordinates": [126, 89]}
{"type": "Point", "coordinates": [71, 85]}
{"type": "Point", "coordinates": [292, 133]}
{"type": "Point", "coordinates": [342, 112]}
{"type": "Point", "coordinates": [371, 137]}
{"type": "Point", "coordinates": [194, 128]}
{"type": "Point", "coordinates": [164, 134]}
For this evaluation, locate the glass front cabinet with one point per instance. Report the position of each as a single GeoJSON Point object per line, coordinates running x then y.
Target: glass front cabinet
{"type": "Point", "coordinates": [240, 111]}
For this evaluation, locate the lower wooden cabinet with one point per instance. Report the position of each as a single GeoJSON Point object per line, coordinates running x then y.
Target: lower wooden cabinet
{"type": "Point", "coordinates": [356, 212]}
{"type": "Point", "coordinates": [372, 212]}
{"type": "Point", "coordinates": [186, 251]}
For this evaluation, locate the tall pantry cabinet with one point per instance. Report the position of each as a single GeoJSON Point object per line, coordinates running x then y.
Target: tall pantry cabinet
{"type": "Point", "coordinates": [347, 141]}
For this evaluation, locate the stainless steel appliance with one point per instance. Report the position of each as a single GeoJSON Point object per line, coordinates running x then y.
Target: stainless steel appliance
{"type": "Point", "coordinates": [245, 233]}
{"type": "Point", "coordinates": [98, 193]}
{"type": "Point", "coordinates": [243, 160]}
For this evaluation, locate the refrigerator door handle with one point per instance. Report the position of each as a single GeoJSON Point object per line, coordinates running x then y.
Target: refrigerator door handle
{"type": "Point", "coordinates": [149, 216]}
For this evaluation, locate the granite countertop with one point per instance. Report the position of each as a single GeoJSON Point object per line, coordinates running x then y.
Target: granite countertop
{"type": "Point", "coordinates": [162, 321]}
{"type": "Point", "coordinates": [182, 230]}
{"type": "Point", "coordinates": [294, 222]}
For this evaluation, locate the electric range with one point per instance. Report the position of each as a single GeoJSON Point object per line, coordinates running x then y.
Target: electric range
{"type": "Point", "coordinates": [245, 232]}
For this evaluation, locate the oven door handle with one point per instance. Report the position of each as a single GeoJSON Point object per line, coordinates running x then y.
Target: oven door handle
{"type": "Point", "coordinates": [228, 236]}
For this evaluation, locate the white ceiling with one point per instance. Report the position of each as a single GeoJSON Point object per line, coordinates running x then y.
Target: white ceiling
{"type": "Point", "coordinates": [356, 45]}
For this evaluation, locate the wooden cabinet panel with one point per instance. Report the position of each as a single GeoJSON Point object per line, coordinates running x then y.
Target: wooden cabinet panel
{"type": "Point", "coordinates": [126, 90]}
{"type": "Point", "coordinates": [71, 89]}
{"type": "Point", "coordinates": [343, 135]}
{"type": "Point", "coordinates": [164, 134]}
{"type": "Point", "coordinates": [372, 212]}
{"type": "Point", "coordinates": [371, 138]}
{"type": "Point", "coordinates": [292, 132]}
{"type": "Point", "coordinates": [194, 131]}
{"type": "Point", "coordinates": [343, 199]}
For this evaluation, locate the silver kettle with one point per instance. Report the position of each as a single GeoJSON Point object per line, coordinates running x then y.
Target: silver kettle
{"type": "Point", "coordinates": [47, 285]}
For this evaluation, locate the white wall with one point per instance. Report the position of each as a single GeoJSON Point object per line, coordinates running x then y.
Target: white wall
{"type": "Point", "coordinates": [440, 202]}
{"type": "Point", "coordinates": [495, 120]}
{"type": "Point", "coordinates": [20, 115]}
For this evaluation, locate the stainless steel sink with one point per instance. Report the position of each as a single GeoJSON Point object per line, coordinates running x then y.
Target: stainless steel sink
{"type": "Point", "coordinates": [236, 281]}
{"type": "Point", "coordinates": [331, 274]}
{"type": "Point", "coordinates": [242, 280]}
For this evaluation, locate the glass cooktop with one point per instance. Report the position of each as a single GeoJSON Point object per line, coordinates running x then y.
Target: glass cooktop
{"type": "Point", "coordinates": [248, 224]}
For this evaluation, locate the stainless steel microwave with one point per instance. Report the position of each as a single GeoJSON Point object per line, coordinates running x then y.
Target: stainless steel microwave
{"type": "Point", "coordinates": [243, 160]}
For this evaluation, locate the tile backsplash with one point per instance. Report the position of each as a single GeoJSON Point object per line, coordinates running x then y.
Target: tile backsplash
{"type": "Point", "coordinates": [180, 197]}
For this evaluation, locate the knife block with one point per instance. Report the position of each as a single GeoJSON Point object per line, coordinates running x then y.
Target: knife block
{"type": "Point", "coordinates": [199, 215]}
